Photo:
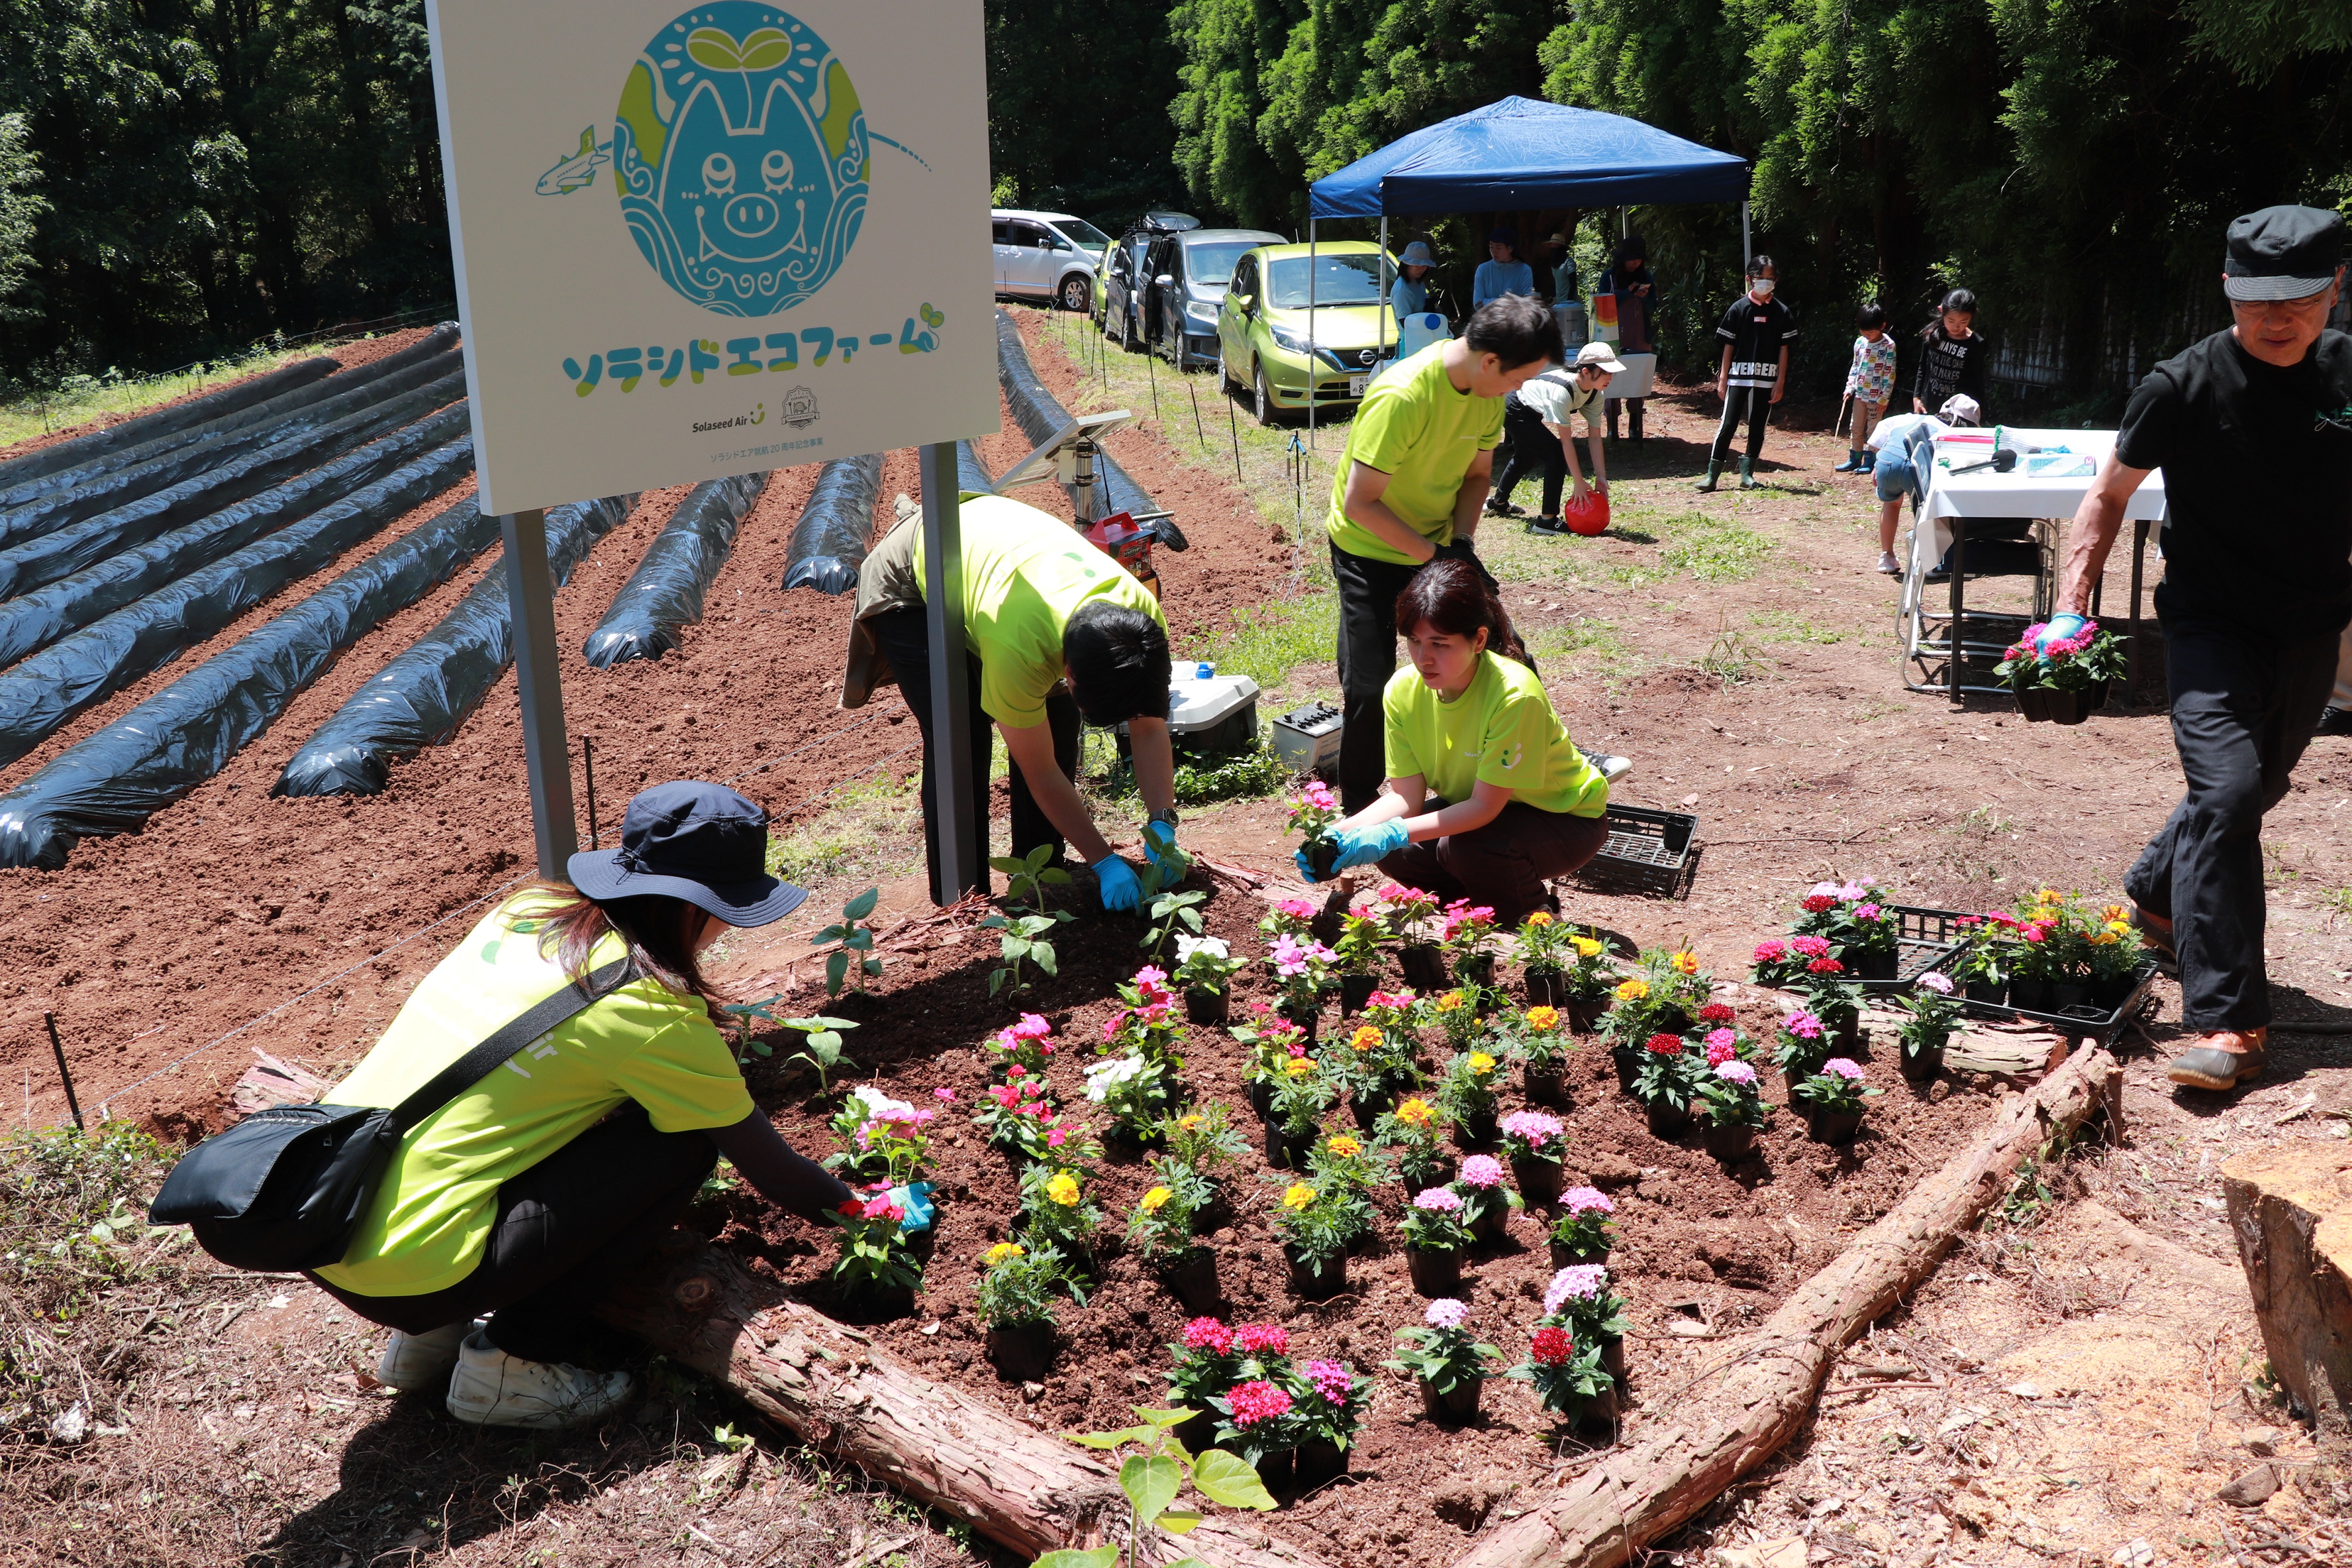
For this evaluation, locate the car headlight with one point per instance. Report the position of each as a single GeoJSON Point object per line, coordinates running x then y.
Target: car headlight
{"type": "Point", "coordinates": [1204, 313]}
{"type": "Point", "coordinates": [1295, 341]}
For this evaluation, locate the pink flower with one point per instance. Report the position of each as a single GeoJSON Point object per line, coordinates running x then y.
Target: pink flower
{"type": "Point", "coordinates": [1810, 946]}
{"type": "Point", "coordinates": [1482, 1170]}
{"type": "Point", "coordinates": [1736, 1072]}
{"type": "Point", "coordinates": [1317, 794]}
{"type": "Point", "coordinates": [1941, 984]}
{"type": "Point", "coordinates": [1845, 1067]}
{"type": "Point", "coordinates": [879, 1206]}
{"type": "Point", "coordinates": [1804, 1025]}
{"type": "Point", "coordinates": [944, 1096]}
{"type": "Point", "coordinates": [1438, 1200]}
{"type": "Point", "coordinates": [1056, 1138]}
{"type": "Point", "coordinates": [1148, 977]}
{"type": "Point", "coordinates": [2032, 932]}
{"type": "Point", "coordinates": [1256, 1401]}
{"type": "Point", "coordinates": [1586, 1200]}
{"type": "Point", "coordinates": [1032, 1026]}
{"type": "Point", "coordinates": [1532, 1127]}
{"type": "Point", "coordinates": [1866, 912]}
{"type": "Point", "coordinates": [1332, 1383]}
{"type": "Point", "coordinates": [1208, 1334]}
{"type": "Point", "coordinates": [1296, 909]}
{"type": "Point", "coordinates": [1771, 952]}
{"type": "Point", "coordinates": [1289, 957]}
{"type": "Point", "coordinates": [1722, 1044]}
{"type": "Point", "coordinates": [1824, 890]}
{"type": "Point", "coordinates": [1577, 1281]}
{"type": "Point", "coordinates": [1445, 1312]}
{"type": "Point", "coordinates": [1263, 1339]}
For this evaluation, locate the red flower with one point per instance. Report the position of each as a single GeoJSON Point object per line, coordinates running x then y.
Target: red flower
{"type": "Point", "coordinates": [1258, 1338]}
{"type": "Point", "coordinates": [1208, 1334]}
{"type": "Point", "coordinates": [1553, 1347]}
{"type": "Point", "coordinates": [1715, 1012]}
{"type": "Point", "coordinates": [1819, 904]}
{"type": "Point", "coordinates": [1254, 1401]}
{"type": "Point", "coordinates": [1826, 966]}
{"type": "Point", "coordinates": [1664, 1045]}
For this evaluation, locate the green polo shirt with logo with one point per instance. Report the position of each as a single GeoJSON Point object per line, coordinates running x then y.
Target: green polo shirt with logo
{"type": "Point", "coordinates": [431, 1214]}
{"type": "Point", "coordinates": [1414, 427]}
{"type": "Point", "coordinates": [1501, 730]}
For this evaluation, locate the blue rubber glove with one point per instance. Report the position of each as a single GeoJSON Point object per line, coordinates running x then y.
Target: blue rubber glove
{"type": "Point", "coordinates": [1362, 845]}
{"type": "Point", "coordinates": [915, 1198]}
{"type": "Point", "coordinates": [2060, 627]}
{"type": "Point", "coordinates": [1306, 872]}
{"type": "Point", "coordinates": [1121, 891]}
{"type": "Point", "coordinates": [1158, 839]}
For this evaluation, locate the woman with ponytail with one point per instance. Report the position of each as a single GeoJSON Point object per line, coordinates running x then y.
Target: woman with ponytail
{"type": "Point", "coordinates": [1488, 799]}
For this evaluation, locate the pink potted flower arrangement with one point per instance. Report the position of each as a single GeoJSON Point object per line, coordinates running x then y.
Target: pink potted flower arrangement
{"type": "Point", "coordinates": [1485, 1200]}
{"type": "Point", "coordinates": [1466, 929]}
{"type": "Point", "coordinates": [1580, 1299]}
{"type": "Point", "coordinates": [1451, 1367]}
{"type": "Point", "coordinates": [2066, 682]}
{"type": "Point", "coordinates": [1329, 1406]}
{"type": "Point", "coordinates": [1833, 1101]}
{"type": "Point", "coordinates": [1435, 1239]}
{"type": "Point", "coordinates": [1582, 1233]}
{"type": "Point", "coordinates": [1934, 1012]}
{"type": "Point", "coordinates": [1289, 917]}
{"type": "Point", "coordinates": [1407, 911]}
{"type": "Point", "coordinates": [1534, 1142]}
{"type": "Point", "coordinates": [1301, 968]}
{"type": "Point", "coordinates": [1731, 1107]}
{"type": "Point", "coordinates": [1026, 1043]}
{"type": "Point", "coordinates": [1802, 1046]}
{"type": "Point", "coordinates": [1312, 812]}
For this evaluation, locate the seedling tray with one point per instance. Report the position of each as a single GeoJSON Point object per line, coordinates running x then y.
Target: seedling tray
{"type": "Point", "coordinates": [1653, 852]}
{"type": "Point", "coordinates": [1941, 926]}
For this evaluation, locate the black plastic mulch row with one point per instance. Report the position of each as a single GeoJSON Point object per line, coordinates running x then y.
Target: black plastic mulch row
{"type": "Point", "coordinates": [664, 592]}
{"type": "Point", "coordinates": [830, 540]}
{"type": "Point", "coordinates": [146, 427]}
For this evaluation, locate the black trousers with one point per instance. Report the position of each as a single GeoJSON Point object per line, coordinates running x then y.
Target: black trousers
{"type": "Point", "coordinates": [1633, 407]}
{"type": "Point", "coordinates": [1368, 634]}
{"type": "Point", "coordinates": [1753, 403]}
{"type": "Point", "coordinates": [905, 638]}
{"type": "Point", "coordinates": [566, 1229]}
{"type": "Point", "coordinates": [1534, 451]}
{"type": "Point", "coordinates": [2242, 709]}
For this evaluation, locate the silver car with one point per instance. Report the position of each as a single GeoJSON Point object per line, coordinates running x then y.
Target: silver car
{"type": "Point", "coordinates": [1046, 256]}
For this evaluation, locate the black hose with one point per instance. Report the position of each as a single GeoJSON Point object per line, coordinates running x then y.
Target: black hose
{"type": "Point", "coordinates": [664, 592]}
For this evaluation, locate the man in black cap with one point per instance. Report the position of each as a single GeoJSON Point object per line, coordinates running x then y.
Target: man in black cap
{"type": "Point", "coordinates": [2252, 427]}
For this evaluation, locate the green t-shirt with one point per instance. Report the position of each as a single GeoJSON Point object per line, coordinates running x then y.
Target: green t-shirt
{"type": "Point", "coordinates": [1414, 427]}
{"type": "Point", "coordinates": [1026, 573]}
{"type": "Point", "coordinates": [433, 1211]}
{"type": "Point", "coordinates": [1502, 730]}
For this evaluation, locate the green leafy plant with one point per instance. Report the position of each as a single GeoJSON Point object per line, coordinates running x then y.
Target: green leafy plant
{"type": "Point", "coordinates": [1440, 1352]}
{"type": "Point", "coordinates": [1838, 1086]}
{"type": "Point", "coordinates": [1168, 910]}
{"type": "Point", "coordinates": [1416, 1130]}
{"type": "Point", "coordinates": [1022, 931]}
{"type": "Point", "coordinates": [1563, 1377]}
{"type": "Point", "coordinates": [1317, 1222]}
{"type": "Point", "coordinates": [850, 943]}
{"type": "Point", "coordinates": [820, 1050]}
{"type": "Point", "coordinates": [1055, 1209]}
{"type": "Point", "coordinates": [1933, 1012]}
{"type": "Point", "coordinates": [874, 1251]}
{"type": "Point", "coordinates": [1153, 1479]}
{"type": "Point", "coordinates": [1018, 1283]}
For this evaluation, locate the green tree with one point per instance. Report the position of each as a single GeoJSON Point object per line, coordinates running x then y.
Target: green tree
{"type": "Point", "coordinates": [1078, 107]}
{"type": "Point", "coordinates": [20, 209]}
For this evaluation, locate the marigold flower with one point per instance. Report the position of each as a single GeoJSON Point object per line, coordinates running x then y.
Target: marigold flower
{"type": "Point", "coordinates": [1445, 1312]}
{"type": "Point", "coordinates": [1481, 1063]}
{"type": "Point", "coordinates": [1633, 991]}
{"type": "Point", "coordinates": [1586, 1200]}
{"type": "Point", "coordinates": [1208, 1334]}
{"type": "Point", "coordinates": [1364, 1038]}
{"type": "Point", "coordinates": [1263, 1339]}
{"type": "Point", "coordinates": [1685, 962]}
{"type": "Point", "coordinates": [1540, 917]}
{"type": "Point", "coordinates": [2103, 937]}
{"type": "Point", "coordinates": [1586, 947]}
{"type": "Point", "coordinates": [1298, 1197]}
{"type": "Point", "coordinates": [1664, 1045]}
{"type": "Point", "coordinates": [1190, 1121]}
{"type": "Point", "coordinates": [1451, 1002]}
{"type": "Point", "coordinates": [1156, 1199]}
{"type": "Point", "coordinates": [1543, 1020]}
{"type": "Point", "coordinates": [2114, 913]}
{"type": "Point", "coordinates": [2121, 928]}
{"type": "Point", "coordinates": [1064, 1189]}
{"type": "Point", "coordinates": [1552, 1347]}
{"type": "Point", "coordinates": [1345, 1146]}
{"type": "Point", "coordinates": [1256, 1401]}
{"type": "Point", "coordinates": [1003, 1251]}
{"type": "Point", "coordinates": [1482, 1170]}
{"type": "Point", "coordinates": [1298, 1067]}
{"type": "Point", "coordinates": [1413, 1112]}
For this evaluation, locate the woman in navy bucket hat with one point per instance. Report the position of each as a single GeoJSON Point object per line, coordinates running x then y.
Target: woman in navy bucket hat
{"type": "Point", "coordinates": [504, 1216]}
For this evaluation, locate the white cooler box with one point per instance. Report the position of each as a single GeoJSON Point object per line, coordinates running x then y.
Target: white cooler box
{"type": "Point", "coordinates": [1209, 712]}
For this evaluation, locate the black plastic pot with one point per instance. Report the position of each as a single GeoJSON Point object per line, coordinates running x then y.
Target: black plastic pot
{"type": "Point", "coordinates": [1728, 1144]}
{"type": "Point", "coordinates": [1306, 1018]}
{"type": "Point", "coordinates": [1274, 1470]}
{"type": "Point", "coordinates": [1202, 1006]}
{"type": "Point", "coordinates": [1546, 988]}
{"type": "Point", "coordinates": [1665, 1117]}
{"type": "Point", "coordinates": [1628, 1060]}
{"type": "Point", "coordinates": [1478, 969]}
{"type": "Point", "coordinates": [1368, 1108]}
{"type": "Point", "coordinates": [2031, 995]}
{"type": "Point", "coordinates": [1583, 1015]}
{"type": "Point", "coordinates": [1023, 1352]}
{"type": "Point", "coordinates": [1423, 963]}
{"type": "Point", "coordinates": [1436, 1275]}
{"type": "Point", "coordinates": [1545, 1085]}
{"type": "Point", "coordinates": [1612, 1360]}
{"type": "Point", "coordinates": [1472, 1132]}
{"type": "Point", "coordinates": [1454, 1408]}
{"type": "Point", "coordinates": [1923, 1066]}
{"type": "Point", "coordinates": [1323, 858]}
{"type": "Point", "coordinates": [1287, 1151]}
{"type": "Point", "coordinates": [1489, 1227]}
{"type": "Point", "coordinates": [1539, 1180]}
{"type": "Point", "coordinates": [1562, 1256]}
{"type": "Point", "coordinates": [2065, 994]}
{"type": "Point", "coordinates": [1598, 1413]}
{"type": "Point", "coordinates": [2047, 707]}
{"type": "Point", "coordinates": [1992, 990]}
{"type": "Point", "coordinates": [1846, 1039]}
{"type": "Point", "coordinates": [1834, 1126]}
{"type": "Point", "coordinates": [1355, 990]}
{"type": "Point", "coordinates": [1193, 1278]}
{"type": "Point", "coordinates": [1261, 1096]}
{"type": "Point", "coordinates": [879, 1304]}
{"type": "Point", "coordinates": [1875, 965]}
{"type": "Point", "coordinates": [2107, 996]}
{"type": "Point", "coordinates": [1313, 1464]}
{"type": "Point", "coordinates": [1317, 1278]}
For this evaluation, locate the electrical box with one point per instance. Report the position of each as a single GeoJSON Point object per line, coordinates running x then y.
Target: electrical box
{"type": "Point", "coordinates": [1308, 739]}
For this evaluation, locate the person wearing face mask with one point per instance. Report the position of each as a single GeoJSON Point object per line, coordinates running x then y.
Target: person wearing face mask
{"type": "Point", "coordinates": [1408, 490]}
{"type": "Point", "coordinates": [2252, 427]}
{"type": "Point", "coordinates": [1632, 304]}
{"type": "Point", "coordinates": [1488, 799]}
{"type": "Point", "coordinates": [1756, 332]}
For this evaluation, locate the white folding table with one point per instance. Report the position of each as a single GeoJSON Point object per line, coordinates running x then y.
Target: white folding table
{"type": "Point", "coordinates": [1953, 498]}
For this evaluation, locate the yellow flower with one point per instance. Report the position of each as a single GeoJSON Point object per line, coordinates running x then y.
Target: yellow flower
{"type": "Point", "coordinates": [2104, 937]}
{"type": "Point", "coordinates": [1481, 1063]}
{"type": "Point", "coordinates": [1413, 1112]}
{"type": "Point", "coordinates": [1364, 1038]}
{"type": "Point", "coordinates": [1586, 947]}
{"type": "Point", "coordinates": [1685, 962]}
{"type": "Point", "coordinates": [1298, 1067]}
{"type": "Point", "coordinates": [1543, 1020]}
{"type": "Point", "coordinates": [1004, 1251]}
{"type": "Point", "coordinates": [1451, 1002]}
{"type": "Point", "coordinates": [1633, 991]}
{"type": "Point", "coordinates": [2048, 896]}
{"type": "Point", "coordinates": [2115, 914]}
{"type": "Point", "coordinates": [1540, 917]}
{"type": "Point", "coordinates": [1064, 1190]}
{"type": "Point", "coordinates": [2121, 928]}
{"type": "Point", "coordinates": [1344, 1146]}
{"type": "Point", "coordinates": [1153, 1199]}
{"type": "Point", "coordinates": [1299, 1196]}
{"type": "Point", "coordinates": [1189, 1123]}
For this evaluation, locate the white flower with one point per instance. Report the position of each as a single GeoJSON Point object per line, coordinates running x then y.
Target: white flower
{"type": "Point", "coordinates": [1938, 983]}
{"type": "Point", "coordinates": [880, 1107]}
{"type": "Point", "coordinates": [1105, 1076]}
{"type": "Point", "coordinates": [1215, 946]}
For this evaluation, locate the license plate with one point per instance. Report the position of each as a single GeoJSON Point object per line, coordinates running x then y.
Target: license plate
{"type": "Point", "coordinates": [1357, 383]}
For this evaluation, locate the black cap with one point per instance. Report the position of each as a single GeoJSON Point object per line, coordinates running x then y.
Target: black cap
{"type": "Point", "coordinates": [2283, 253]}
{"type": "Point", "coordinates": [695, 841]}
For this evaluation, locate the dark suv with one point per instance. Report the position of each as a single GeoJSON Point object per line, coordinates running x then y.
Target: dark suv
{"type": "Point", "coordinates": [1186, 276]}
{"type": "Point", "coordinates": [1126, 285]}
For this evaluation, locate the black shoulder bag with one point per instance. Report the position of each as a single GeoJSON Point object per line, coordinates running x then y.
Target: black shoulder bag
{"type": "Point", "coordinates": [284, 1189]}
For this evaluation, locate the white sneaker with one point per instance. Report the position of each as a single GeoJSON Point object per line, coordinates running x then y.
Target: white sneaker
{"type": "Point", "coordinates": [420, 1364]}
{"type": "Point", "coordinates": [1612, 768]}
{"type": "Point", "coordinates": [1888, 565]}
{"type": "Point", "coordinates": [491, 1388]}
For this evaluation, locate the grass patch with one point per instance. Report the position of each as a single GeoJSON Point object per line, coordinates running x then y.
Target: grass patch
{"type": "Point", "coordinates": [873, 829]}
{"type": "Point", "coordinates": [1786, 626]}
{"type": "Point", "coordinates": [1703, 546]}
{"type": "Point", "coordinates": [80, 398]}
{"type": "Point", "coordinates": [2339, 898]}
{"type": "Point", "coordinates": [1257, 774]}
{"type": "Point", "coordinates": [1267, 641]}
{"type": "Point", "coordinates": [1583, 645]}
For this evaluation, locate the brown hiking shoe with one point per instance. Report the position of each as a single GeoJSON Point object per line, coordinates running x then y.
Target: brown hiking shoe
{"type": "Point", "coordinates": [2221, 1060]}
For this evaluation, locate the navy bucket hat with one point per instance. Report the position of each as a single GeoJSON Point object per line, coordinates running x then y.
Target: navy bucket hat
{"type": "Point", "coordinates": [701, 842]}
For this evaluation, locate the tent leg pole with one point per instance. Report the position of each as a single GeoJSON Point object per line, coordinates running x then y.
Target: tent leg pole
{"type": "Point", "coordinates": [950, 756]}
{"type": "Point", "coordinates": [1747, 250]}
{"type": "Point", "coordinates": [547, 755]}
{"type": "Point", "coordinates": [1310, 333]}
{"type": "Point", "coordinates": [1383, 351]}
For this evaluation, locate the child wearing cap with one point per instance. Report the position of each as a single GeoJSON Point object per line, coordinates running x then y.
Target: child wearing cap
{"type": "Point", "coordinates": [1870, 381]}
{"type": "Point", "coordinates": [1503, 272]}
{"type": "Point", "coordinates": [1536, 418]}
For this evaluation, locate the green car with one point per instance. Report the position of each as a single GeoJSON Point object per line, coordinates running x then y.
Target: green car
{"type": "Point", "coordinates": [1262, 342]}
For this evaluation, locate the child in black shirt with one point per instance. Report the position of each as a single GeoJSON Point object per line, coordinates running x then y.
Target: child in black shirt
{"type": "Point", "coordinates": [1953, 356]}
{"type": "Point", "coordinates": [1755, 332]}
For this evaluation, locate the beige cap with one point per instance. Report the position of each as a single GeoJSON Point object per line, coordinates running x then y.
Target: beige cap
{"type": "Point", "coordinates": [1599, 356]}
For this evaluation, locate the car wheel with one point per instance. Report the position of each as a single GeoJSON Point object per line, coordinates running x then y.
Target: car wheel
{"type": "Point", "coordinates": [1127, 330]}
{"type": "Point", "coordinates": [1265, 409]}
{"type": "Point", "coordinates": [1226, 384]}
{"type": "Point", "coordinates": [1078, 291]}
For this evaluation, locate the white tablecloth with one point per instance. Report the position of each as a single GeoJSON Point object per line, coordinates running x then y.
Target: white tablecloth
{"type": "Point", "coordinates": [1635, 381]}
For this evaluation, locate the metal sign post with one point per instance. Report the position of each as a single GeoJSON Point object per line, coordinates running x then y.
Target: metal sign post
{"type": "Point", "coordinates": [547, 756]}
{"type": "Point", "coordinates": [951, 716]}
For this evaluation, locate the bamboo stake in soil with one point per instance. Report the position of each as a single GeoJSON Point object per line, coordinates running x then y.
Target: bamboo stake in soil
{"type": "Point", "coordinates": [956, 1452]}
{"type": "Point", "coordinates": [1738, 1411]}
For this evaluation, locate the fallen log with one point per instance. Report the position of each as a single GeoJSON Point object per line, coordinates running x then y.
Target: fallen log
{"type": "Point", "coordinates": [1739, 1409]}
{"type": "Point", "coordinates": [959, 1453]}
{"type": "Point", "coordinates": [2292, 1210]}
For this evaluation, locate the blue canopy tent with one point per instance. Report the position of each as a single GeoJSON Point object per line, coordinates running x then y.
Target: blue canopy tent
{"type": "Point", "coordinates": [1520, 154]}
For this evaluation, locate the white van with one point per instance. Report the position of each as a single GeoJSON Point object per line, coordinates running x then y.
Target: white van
{"type": "Point", "coordinates": [1047, 256]}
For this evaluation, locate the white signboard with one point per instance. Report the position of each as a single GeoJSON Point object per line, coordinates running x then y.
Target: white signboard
{"type": "Point", "coordinates": [699, 241]}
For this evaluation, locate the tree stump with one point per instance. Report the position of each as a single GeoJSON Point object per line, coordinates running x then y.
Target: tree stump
{"type": "Point", "coordinates": [2292, 1210]}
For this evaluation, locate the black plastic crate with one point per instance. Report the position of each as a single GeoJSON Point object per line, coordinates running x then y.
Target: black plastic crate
{"type": "Point", "coordinates": [1647, 852]}
{"type": "Point", "coordinates": [1941, 926]}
